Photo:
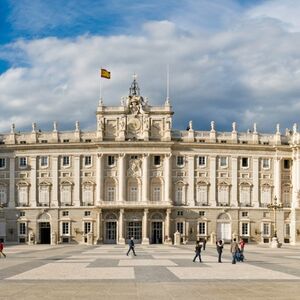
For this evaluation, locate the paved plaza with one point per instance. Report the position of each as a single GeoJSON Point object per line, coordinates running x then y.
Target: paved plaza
{"type": "Point", "coordinates": [105, 272]}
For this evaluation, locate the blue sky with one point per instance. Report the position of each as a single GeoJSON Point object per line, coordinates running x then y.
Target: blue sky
{"type": "Point", "coordinates": [229, 60]}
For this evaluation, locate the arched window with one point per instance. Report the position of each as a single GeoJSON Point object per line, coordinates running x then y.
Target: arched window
{"type": "Point", "coordinates": [133, 190]}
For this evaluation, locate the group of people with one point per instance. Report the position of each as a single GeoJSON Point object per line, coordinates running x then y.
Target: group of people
{"type": "Point", "coordinates": [236, 249]}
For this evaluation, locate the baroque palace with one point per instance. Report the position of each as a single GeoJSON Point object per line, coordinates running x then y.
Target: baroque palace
{"type": "Point", "coordinates": [137, 176]}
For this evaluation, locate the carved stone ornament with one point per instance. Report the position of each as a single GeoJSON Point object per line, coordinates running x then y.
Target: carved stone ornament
{"type": "Point", "coordinates": [134, 169]}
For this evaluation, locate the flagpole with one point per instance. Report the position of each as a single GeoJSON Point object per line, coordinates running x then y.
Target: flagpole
{"type": "Point", "coordinates": [168, 85]}
{"type": "Point", "coordinates": [100, 101]}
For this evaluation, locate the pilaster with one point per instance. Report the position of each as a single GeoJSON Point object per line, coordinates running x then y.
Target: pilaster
{"type": "Point", "coordinates": [121, 177]}
{"type": "Point", "coordinates": [99, 226]}
{"type": "Point", "coordinates": [212, 191]}
{"type": "Point", "coordinates": [12, 187]}
{"type": "Point", "coordinates": [255, 199]}
{"type": "Point", "coordinates": [145, 240]}
{"type": "Point", "coordinates": [277, 178]}
{"type": "Point", "coordinates": [99, 178]}
{"type": "Point", "coordinates": [234, 182]}
{"type": "Point", "coordinates": [191, 180]}
{"type": "Point", "coordinates": [168, 239]}
{"type": "Point", "coordinates": [145, 181]}
{"type": "Point", "coordinates": [168, 178]}
{"type": "Point", "coordinates": [120, 227]}
{"type": "Point", "coordinates": [33, 186]}
{"type": "Point", "coordinates": [77, 181]}
{"type": "Point", "coordinates": [54, 196]}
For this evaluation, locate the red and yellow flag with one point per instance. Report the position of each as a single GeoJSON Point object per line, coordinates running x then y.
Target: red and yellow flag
{"type": "Point", "coordinates": [105, 74]}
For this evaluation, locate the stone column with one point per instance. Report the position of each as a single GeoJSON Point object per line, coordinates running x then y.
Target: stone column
{"type": "Point", "coordinates": [77, 189]}
{"type": "Point", "coordinates": [99, 227]}
{"type": "Point", "coordinates": [33, 186]}
{"type": "Point", "coordinates": [167, 239]}
{"type": "Point", "coordinates": [145, 240]}
{"type": "Point", "coordinates": [12, 187]}
{"type": "Point", "coordinates": [168, 178]}
{"type": "Point", "coordinates": [255, 198]}
{"type": "Point", "coordinates": [99, 178]}
{"type": "Point", "coordinates": [212, 191]}
{"type": "Point", "coordinates": [121, 177]}
{"type": "Point", "coordinates": [277, 178]}
{"type": "Point", "coordinates": [145, 182]}
{"type": "Point", "coordinates": [120, 227]}
{"type": "Point", "coordinates": [234, 181]}
{"type": "Point", "coordinates": [54, 197]}
{"type": "Point", "coordinates": [191, 181]}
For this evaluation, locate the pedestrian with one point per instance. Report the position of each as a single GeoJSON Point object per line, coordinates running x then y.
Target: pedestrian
{"type": "Point", "coordinates": [204, 243]}
{"type": "Point", "coordinates": [234, 248]}
{"type": "Point", "coordinates": [241, 250]}
{"type": "Point", "coordinates": [131, 246]}
{"type": "Point", "coordinates": [220, 246]}
{"type": "Point", "coordinates": [198, 251]}
{"type": "Point", "coordinates": [1, 248]}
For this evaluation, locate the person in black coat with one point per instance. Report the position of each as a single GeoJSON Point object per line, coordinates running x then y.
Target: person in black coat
{"type": "Point", "coordinates": [220, 246]}
{"type": "Point", "coordinates": [198, 252]}
{"type": "Point", "coordinates": [131, 246]}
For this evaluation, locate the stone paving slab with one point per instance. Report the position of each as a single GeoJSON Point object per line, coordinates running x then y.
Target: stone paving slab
{"type": "Point", "coordinates": [146, 262]}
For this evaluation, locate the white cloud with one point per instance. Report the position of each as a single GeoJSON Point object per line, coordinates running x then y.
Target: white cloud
{"type": "Point", "coordinates": [246, 73]}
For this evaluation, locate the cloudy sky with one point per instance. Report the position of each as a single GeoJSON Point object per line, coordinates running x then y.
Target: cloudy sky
{"type": "Point", "coordinates": [230, 60]}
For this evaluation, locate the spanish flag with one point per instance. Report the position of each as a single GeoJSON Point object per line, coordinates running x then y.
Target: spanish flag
{"type": "Point", "coordinates": [105, 74]}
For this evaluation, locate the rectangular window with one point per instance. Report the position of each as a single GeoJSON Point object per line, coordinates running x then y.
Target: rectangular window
{"type": "Point", "coordinates": [201, 213]}
{"type": "Point", "coordinates": [22, 228]}
{"type": "Point", "coordinates": [66, 141]}
{"type": "Point", "coordinates": [286, 163]}
{"type": "Point", "coordinates": [245, 162]}
{"type": "Point", "coordinates": [245, 228]}
{"type": "Point", "coordinates": [179, 192]}
{"type": "Point", "coordinates": [3, 194]}
{"type": "Point", "coordinates": [223, 161]}
{"type": "Point", "coordinates": [87, 227]}
{"type": "Point", "coordinates": [180, 213]}
{"type": "Point", "coordinates": [23, 162]}
{"type": "Point", "coordinates": [180, 161]}
{"type": "Point", "coordinates": [88, 160]}
{"type": "Point", "coordinates": [110, 160]}
{"type": "Point", "coordinates": [202, 227]}
{"type": "Point", "coordinates": [44, 161]}
{"type": "Point", "coordinates": [156, 193]}
{"type": "Point", "coordinates": [157, 160]}
{"type": "Point", "coordinates": [22, 213]}
{"type": "Point", "coordinates": [87, 213]}
{"type": "Point", "coordinates": [133, 157]}
{"type": "Point", "coordinates": [266, 163]}
{"type": "Point", "coordinates": [65, 228]}
{"type": "Point", "coordinates": [202, 160]}
{"type": "Point", "coordinates": [287, 229]}
{"type": "Point", "coordinates": [111, 193]}
{"type": "Point", "coordinates": [244, 214]}
{"type": "Point", "coordinates": [133, 193]}
{"type": "Point", "coordinates": [66, 160]}
{"type": "Point", "coordinates": [179, 227]}
{"type": "Point", "coordinates": [2, 163]}
{"type": "Point", "coordinates": [65, 213]}
{"type": "Point", "coordinates": [266, 229]}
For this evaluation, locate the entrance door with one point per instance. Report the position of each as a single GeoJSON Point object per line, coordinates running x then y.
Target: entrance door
{"type": "Point", "coordinates": [134, 229]}
{"type": "Point", "coordinates": [45, 233]}
{"type": "Point", "coordinates": [156, 233]}
{"type": "Point", "coordinates": [224, 232]}
{"type": "Point", "coordinates": [111, 232]}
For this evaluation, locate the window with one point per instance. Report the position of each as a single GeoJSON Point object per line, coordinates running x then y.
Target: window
{"type": "Point", "coordinates": [111, 160]}
{"type": "Point", "coordinates": [2, 163]}
{"type": "Point", "coordinates": [22, 228]}
{"type": "Point", "coordinates": [87, 196]}
{"type": "Point", "coordinates": [244, 214]}
{"type": "Point", "coordinates": [133, 157]}
{"type": "Point", "coordinates": [180, 213]}
{"type": "Point", "coordinates": [23, 162]}
{"type": "Point", "coordinates": [266, 195]}
{"type": "Point", "coordinates": [202, 160]}
{"type": "Point", "coordinates": [111, 193]}
{"type": "Point", "coordinates": [287, 229]}
{"type": "Point", "coordinates": [179, 194]}
{"type": "Point", "coordinates": [65, 213]}
{"type": "Point", "coordinates": [22, 213]}
{"type": "Point", "coordinates": [180, 161]}
{"type": "Point", "coordinates": [44, 141]}
{"type": "Point", "coordinates": [65, 228]}
{"type": "Point", "coordinates": [223, 161]}
{"type": "Point", "coordinates": [66, 141]}
{"type": "Point", "coordinates": [44, 161]}
{"type": "Point", "coordinates": [2, 194]}
{"type": "Point", "coordinates": [245, 162]}
{"type": "Point", "coordinates": [179, 227]}
{"type": "Point", "coordinates": [201, 213]}
{"type": "Point", "coordinates": [23, 142]}
{"type": "Point", "coordinates": [286, 164]}
{"type": "Point", "coordinates": [266, 163]}
{"type": "Point", "coordinates": [87, 160]}
{"type": "Point", "coordinates": [87, 213]}
{"type": "Point", "coordinates": [66, 194]}
{"type": "Point", "coordinates": [202, 194]}
{"type": "Point", "coordinates": [202, 228]}
{"type": "Point", "coordinates": [266, 229]}
{"type": "Point", "coordinates": [266, 214]}
{"type": "Point", "coordinates": [245, 228]}
{"type": "Point", "coordinates": [245, 195]}
{"type": "Point", "coordinates": [23, 195]}
{"type": "Point", "coordinates": [157, 160]}
{"type": "Point", "coordinates": [44, 194]}
{"type": "Point", "coordinates": [223, 192]}
{"type": "Point", "coordinates": [156, 193]}
{"type": "Point", "coordinates": [133, 193]}
{"type": "Point", "coordinates": [66, 161]}
{"type": "Point", "coordinates": [87, 227]}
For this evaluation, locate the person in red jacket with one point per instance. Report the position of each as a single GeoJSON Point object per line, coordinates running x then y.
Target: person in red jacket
{"type": "Point", "coordinates": [1, 248]}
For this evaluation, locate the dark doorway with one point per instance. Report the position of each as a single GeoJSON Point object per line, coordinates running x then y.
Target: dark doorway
{"type": "Point", "coordinates": [45, 233]}
{"type": "Point", "coordinates": [156, 236]}
{"type": "Point", "coordinates": [111, 232]}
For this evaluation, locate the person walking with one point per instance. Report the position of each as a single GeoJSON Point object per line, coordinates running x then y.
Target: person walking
{"type": "Point", "coordinates": [220, 246]}
{"type": "Point", "coordinates": [1, 248]}
{"type": "Point", "coordinates": [234, 248]}
{"type": "Point", "coordinates": [241, 250]}
{"type": "Point", "coordinates": [131, 246]}
{"type": "Point", "coordinates": [204, 244]}
{"type": "Point", "coordinates": [198, 251]}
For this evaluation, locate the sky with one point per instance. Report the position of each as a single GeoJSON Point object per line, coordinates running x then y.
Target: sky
{"type": "Point", "coordinates": [230, 60]}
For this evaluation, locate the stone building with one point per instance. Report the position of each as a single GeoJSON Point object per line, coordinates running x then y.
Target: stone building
{"type": "Point", "coordinates": [137, 176]}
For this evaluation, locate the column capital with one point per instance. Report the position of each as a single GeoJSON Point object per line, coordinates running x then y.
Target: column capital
{"type": "Point", "coordinates": [168, 155]}
{"type": "Point", "coordinates": [122, 210]}
{"type": "Point", "coordinates": [100, 155]}
{"type": "Point", "coordinates": [168, 211]}
{"type": "Point", "coordinates": [146, 210]}
{"type": "Point", "coordinates": [122, 155]}
{"type": "Point", "coordinates": [146, 155]}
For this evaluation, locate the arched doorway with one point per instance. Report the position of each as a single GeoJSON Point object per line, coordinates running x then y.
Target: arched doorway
{"type": "Point", "coordinates": [44, 227]}
{"type": "Point", "coordinates": [224, 227]}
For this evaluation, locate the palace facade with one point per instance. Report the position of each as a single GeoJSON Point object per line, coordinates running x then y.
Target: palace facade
{"type": "Point", "coordinates": [137, 176]}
